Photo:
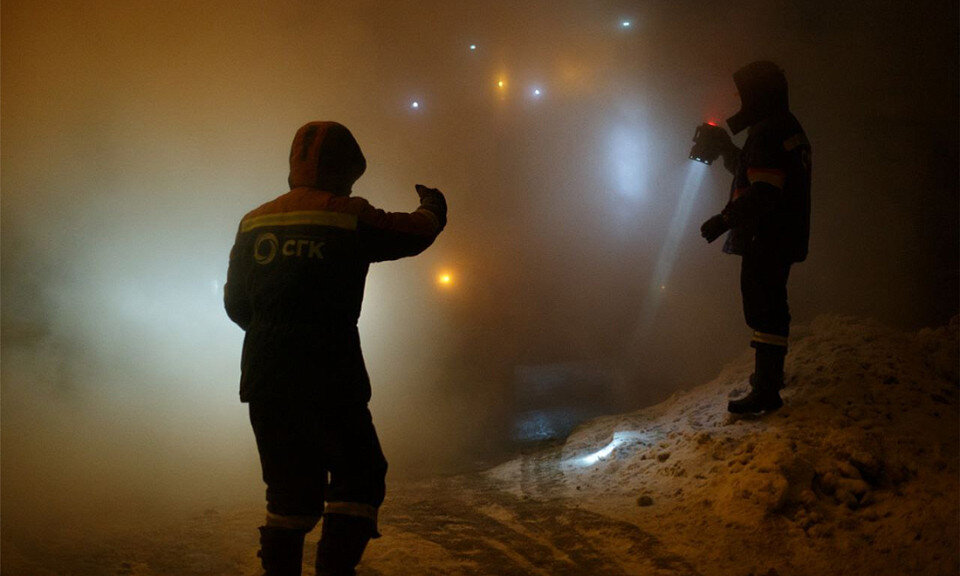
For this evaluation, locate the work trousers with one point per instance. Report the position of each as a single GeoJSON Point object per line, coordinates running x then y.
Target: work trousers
{"type": "Point", "coordinates": [763, 286]}
{"type": "Point", "coordinates": [311, 454]}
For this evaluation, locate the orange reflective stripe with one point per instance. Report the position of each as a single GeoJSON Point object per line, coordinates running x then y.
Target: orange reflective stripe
{"type": "Point", "coordinates": [770, 176]}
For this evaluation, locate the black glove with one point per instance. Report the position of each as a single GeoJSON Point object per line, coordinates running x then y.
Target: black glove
{"type": "Point", "coordinates": [714, 228]}
{"type": "Point", "coordinates": [424, 191]}
{"type": "Point", "coordinates": [433, 199]}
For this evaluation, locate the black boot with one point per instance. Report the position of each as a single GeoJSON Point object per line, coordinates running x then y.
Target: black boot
{"type": "Point", "coordinates": [281, 551]}
{"type": "Point", "coordinates": [765, 383]}
{"type": "Point", "coordinates": [342, 541]}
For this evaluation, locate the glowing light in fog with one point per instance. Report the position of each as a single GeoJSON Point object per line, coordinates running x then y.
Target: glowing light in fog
{"type": "Point", "coordinates": [625, 24]}
{"type": "Point", "coordinates": [473, 46]}
{"type": "Point", "coordinates": [626, 161]}
{"type": "Point", "coordinates": [415, 105]}
{"type": "Point", "coordinates": [445, 279]}
{"type": "Point", "coordinates": [537, 92]}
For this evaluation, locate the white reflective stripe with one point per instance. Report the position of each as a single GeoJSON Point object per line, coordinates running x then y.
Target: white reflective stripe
{"type": "Point", "coordinates": [310, 217]}
{"type": "Point", "coordinates": [773, 339]}
{"type": "Point", "coordinates": [292, 522]}
{"type": "Point", "coordinates": [352, 509]}
{"type": "Point", "coordinates": [771, 177]}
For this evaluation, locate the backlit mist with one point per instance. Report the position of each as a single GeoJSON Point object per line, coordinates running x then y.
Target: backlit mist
{"type": "Point", "coordinates": [137, 134]}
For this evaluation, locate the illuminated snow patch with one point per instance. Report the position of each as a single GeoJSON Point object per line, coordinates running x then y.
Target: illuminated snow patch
{"type": "Point", "coordinates": [619, 439]}
{"type": "Point", "coordinates": [599, 455]}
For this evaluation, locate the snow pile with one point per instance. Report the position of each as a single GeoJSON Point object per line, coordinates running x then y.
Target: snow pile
{"type": "Point", "coordinates": [857, 474]}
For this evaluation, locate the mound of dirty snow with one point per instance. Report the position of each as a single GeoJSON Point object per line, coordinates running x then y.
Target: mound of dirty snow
{"type": "Point", "coordinates": [857, 474]}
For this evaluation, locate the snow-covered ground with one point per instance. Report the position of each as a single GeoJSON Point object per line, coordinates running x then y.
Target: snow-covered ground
{"type": "Point", "coordinates": [856, 475]}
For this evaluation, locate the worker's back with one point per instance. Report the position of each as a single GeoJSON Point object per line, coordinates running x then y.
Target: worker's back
{"type": "Point", "coordinates": [298, 267]}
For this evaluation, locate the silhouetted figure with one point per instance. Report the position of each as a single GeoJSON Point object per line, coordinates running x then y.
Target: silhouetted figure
{"type": "Point", "coordinates": [295, 285]}
{"type": "Point", "coordinates": [768, 217]}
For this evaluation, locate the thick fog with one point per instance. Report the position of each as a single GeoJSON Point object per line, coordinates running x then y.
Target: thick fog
{"type": "Point", "coordinates": [135, 135]}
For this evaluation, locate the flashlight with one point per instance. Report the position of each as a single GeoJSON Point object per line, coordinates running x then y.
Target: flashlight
{"type": "Point", "coordinates": [707, 143]}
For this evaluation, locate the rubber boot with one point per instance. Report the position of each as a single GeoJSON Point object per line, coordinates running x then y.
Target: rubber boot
{"type": "Point", "coordinates": [281, 551]}
{"type": "Point", "coordinates": [342, 542]}
{"type": "Point", "coordinates": [765, 383]}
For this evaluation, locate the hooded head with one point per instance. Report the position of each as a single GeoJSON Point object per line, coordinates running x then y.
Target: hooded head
{"type": "Point", "coordinates": [763, 92]}
{"type": "Point", "coordinates": [325, 155]}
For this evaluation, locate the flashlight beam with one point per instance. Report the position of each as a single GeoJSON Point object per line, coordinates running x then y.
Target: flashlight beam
{"type": "Point", "coordinates": [671, 247]}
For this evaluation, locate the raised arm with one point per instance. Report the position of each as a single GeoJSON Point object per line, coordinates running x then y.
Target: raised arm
{"type": "Point", "coordinates": [393, 235]}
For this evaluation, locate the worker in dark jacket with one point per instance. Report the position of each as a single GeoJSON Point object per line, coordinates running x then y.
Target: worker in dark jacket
{"type": "Point", "coordinates": [768, 217]}
{"type": "Point", "coordinates": [295, 285]}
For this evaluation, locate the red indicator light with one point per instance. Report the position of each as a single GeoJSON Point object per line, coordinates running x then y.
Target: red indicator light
{"type": "Point", "coordinates": [712, 123]}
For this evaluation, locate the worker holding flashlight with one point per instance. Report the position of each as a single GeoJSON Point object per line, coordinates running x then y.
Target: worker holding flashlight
{"type": "Point", "coordinates": [767, 216]}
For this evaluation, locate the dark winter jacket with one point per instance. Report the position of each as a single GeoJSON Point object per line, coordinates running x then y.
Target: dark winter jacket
{"type": "Point", "coordinates": [769, 207]}
{"type": "Point", "coordinates": [298, 266]}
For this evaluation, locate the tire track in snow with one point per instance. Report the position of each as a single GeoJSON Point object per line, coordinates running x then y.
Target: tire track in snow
{"type": "Point", "coordinates": [487, 532]}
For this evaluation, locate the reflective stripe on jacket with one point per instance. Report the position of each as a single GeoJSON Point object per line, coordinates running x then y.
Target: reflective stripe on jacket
{"type": "Point", "coordinates": [297, 272]}
{"type": "Point", "coordinates": [769, 205]}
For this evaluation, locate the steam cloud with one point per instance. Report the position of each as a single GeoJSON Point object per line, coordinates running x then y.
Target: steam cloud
{"type": "Point", "coordinates": [135, 136]}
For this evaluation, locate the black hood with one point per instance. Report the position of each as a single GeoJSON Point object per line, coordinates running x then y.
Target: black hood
{"type": "Point", "coordinates": [763, 92]}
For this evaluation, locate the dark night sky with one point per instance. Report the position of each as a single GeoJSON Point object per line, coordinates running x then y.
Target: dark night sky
{"type": "Point", "coordinates": [136, 134]}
